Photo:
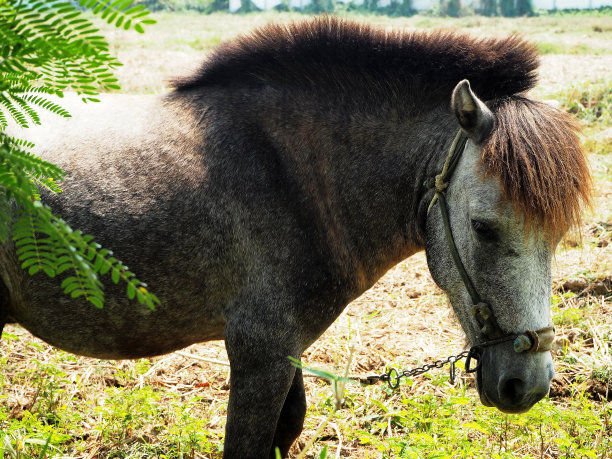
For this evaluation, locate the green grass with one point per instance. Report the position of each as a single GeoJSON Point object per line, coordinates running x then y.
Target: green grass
{"type": "Point", "coordinates": [144, 421]}
{"type": "Point", "coordinates": [556, 48]}
{"type": "Point", "coordinates": [604, 11]}
{"type": "Point", "coordinates": [590, 101]}
{"type": "Point", "coordinates": [125, 418]}
{"type": "Point", "coordinates": [456, 425]}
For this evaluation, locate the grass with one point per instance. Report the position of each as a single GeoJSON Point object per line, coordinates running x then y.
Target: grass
{"type": "Point", "coordinates": [590, 101]}
{"type": "Point", "coordinates": [556, 48]}
{"type": "Point", "coordinates": [430, 426]}
{"type": "Point", "coordinates": [174, 406]}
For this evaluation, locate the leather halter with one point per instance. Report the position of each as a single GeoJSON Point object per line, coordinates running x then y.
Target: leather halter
{"type": "Point", "coordinates": [491, 333]}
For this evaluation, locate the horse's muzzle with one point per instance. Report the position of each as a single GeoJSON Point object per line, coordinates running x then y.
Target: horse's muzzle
{"type": "Point", "coordinates": [513, 383]}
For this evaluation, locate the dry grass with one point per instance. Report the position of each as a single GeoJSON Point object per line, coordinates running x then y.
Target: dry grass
{"type": "Point", "coordinates": [403, 320]}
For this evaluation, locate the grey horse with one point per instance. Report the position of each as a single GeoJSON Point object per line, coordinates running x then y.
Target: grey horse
{"type": "Point", "coordinates": [282, 179]}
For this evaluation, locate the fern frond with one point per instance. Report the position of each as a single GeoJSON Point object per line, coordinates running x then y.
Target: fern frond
{"type": "Point", "coordinates": [15, 113]}
{"type": "Point", "coordinates": [22, 159]}
{"type": "Point", "coordinates": [5, 217]}
{"type": "Point", "coordinates": [120, 13]}
{"type": "Point", "coordinates": [15, 142]}
{"type": "Point", "coordinates": [47, 243]}
{"type": "Point", "coordinates": [48, 183]}
{"type": "Point", "coordinates": [26, 108]}
{"type": "Point", "coordinates": [64, 46]}
{"type": "Point", "coordinates": [47, 47]}
{"type": "Point", "coordinates": [3, 121]}
{"type": "Point", "coordinates": [43, 244]}
{"type": "Point", "coordinates": [47, 105]}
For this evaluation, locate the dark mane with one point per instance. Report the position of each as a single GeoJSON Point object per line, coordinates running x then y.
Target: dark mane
{"type": "Point", "coordinates": [331, 51]}
{"type": "Point", "coordinates": [534, 149]}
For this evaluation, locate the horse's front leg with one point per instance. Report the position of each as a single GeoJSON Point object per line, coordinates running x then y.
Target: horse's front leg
{"type": "Point", "coordinates": [262, 380]}
{"type": "Point", "coordinates": [291, 420]}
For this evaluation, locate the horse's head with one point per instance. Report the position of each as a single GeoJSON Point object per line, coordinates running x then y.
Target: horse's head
{"type": "Point", "coordinates": [517, 187]}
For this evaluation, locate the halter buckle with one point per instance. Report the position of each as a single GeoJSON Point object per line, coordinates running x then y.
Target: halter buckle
{"type": "Point", "coordinates": [532, 341]}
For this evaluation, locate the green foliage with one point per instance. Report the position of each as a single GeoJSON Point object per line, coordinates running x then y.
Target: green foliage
{"type": "Point", "coordinates": [450, 8]}
{"type": "Point", "coordinates": [247, 6]}
{"type": "Point", "coordinates": [68, 412]}
{"type": "Point", "coordinates": [602, 11]}
{"type": "Point", "coordinates": [507, 8]}
{"type": "Point", "coordinates": [46, 48]}
{"type": "Point", "coordinates": [49, 47]}
{"type": "Point", "coordinates": [203, 6]}
{"type": "Point", "coordinates": [489, 8]}
{"type": "Point", "coordinates": [591, 101]}
{"type": "Point", "coordinates": [446, 422]}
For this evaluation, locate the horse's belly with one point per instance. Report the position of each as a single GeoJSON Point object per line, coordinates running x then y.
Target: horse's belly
{"type": "Point", "coordinates": [121, 329]}
{"type": "Point", "coordinates": [82, 339]}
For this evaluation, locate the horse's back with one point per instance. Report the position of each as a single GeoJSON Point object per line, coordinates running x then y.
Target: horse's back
{"type": "Point", "coordinates": [199, 204]}
{"type": "Point", "coordinates": [135, 169]}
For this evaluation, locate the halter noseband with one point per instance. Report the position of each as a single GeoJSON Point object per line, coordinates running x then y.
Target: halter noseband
{"type": "Point", "coordinates": [531, 340]}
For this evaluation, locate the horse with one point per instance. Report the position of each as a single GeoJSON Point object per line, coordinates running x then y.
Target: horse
{"type": "Point", "coordinates": [278, 182]}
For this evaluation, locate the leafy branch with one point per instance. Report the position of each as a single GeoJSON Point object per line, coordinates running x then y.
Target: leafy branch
{"type": "Point", "coordinates": [47, 243]}
{"type": "Point", "coordinates": [47, 47]}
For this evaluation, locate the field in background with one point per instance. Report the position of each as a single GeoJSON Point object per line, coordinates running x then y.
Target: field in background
{"type": "Point", "coordinates": [174, 405]}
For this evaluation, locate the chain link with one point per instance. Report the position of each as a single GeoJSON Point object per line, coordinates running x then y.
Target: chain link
{"type": "Point", "coordinates": [393, 376]}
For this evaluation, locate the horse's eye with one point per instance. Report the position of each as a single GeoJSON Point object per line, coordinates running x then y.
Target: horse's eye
{"type": "Point", "coordinates": [483, 230]}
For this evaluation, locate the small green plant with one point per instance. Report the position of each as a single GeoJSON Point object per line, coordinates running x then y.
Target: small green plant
{"type": "Point", "coordinates": [454, 424]}
{"type": "Point", "coordinates": [603, 374]}
{"type": "Point", "coordinates": [589, 101]}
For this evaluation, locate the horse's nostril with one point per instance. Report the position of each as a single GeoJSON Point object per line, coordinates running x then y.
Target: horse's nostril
{"type": "Point", "coordinates": [512, 390]}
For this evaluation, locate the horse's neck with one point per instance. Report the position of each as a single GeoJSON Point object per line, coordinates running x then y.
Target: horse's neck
{"type": "Point", "coordinates": [361, 173]}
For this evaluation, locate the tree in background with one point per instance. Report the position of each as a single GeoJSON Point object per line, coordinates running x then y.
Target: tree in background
{"type": "Point", "coordinates": [524, 8]}
{"type": "Point", "coordinates": [403, 8]}
{"type": "Point", "coordinates": [506, 7]}
{"type": "Point", "coordinates": [320, 6]}
{"type": "Point", "coordinates": [452, 8]}
{"type": "Point", "coordinates": [488, 8]}
{"type": "Point", "coordinates": [203, 6]}
{"type": "Point", "coordinates": [46, 48]}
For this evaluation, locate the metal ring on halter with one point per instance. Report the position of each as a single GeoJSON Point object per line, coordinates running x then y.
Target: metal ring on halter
{"type": "Point", "coordinates": [473, 354]}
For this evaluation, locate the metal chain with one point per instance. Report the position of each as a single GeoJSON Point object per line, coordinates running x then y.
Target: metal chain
{"type": "Point", "coordinates": [393, 376]}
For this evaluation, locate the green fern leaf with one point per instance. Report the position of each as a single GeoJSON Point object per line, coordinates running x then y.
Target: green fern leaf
{"type": "Point", "coordinates": [46, 48]}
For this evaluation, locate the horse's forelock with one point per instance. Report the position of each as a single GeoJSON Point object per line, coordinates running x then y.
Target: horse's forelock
{"type": "Point", "coordinates": [535, 152]}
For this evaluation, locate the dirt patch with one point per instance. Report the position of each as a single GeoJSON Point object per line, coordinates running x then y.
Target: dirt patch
{"type": "Point", "coordinates": [564, 387]}
{"type": "Point", "coordinates": [560, 388]}
{"type": "Point", "coordinates": [599, 390]}
{"type": "Point", "coordinates": [599, 286]}
{"type": "Point", "coordinates": [557, 70]}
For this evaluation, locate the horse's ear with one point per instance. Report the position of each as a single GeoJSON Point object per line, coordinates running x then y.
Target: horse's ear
{"type": "Point", "coordinates": [473, 115]}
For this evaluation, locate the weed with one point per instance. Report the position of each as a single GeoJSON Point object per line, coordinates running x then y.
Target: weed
{"type": "Point", "coordinates": [589, 101]}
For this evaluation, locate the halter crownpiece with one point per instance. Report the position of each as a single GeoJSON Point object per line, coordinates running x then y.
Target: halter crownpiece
{"type": "Point", "coordinates": [540, 340]}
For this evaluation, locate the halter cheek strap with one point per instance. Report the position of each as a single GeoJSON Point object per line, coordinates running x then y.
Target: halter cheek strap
{"type": "Point", "coordinates": [540, 340]}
